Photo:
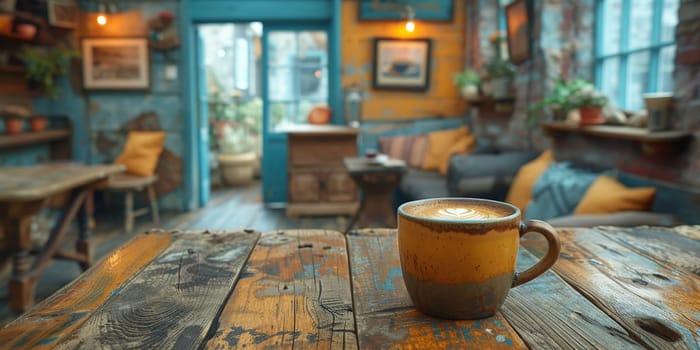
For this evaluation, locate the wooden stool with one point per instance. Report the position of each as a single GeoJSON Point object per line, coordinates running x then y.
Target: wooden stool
{"type": "Point", "coordinates": [133, 183]}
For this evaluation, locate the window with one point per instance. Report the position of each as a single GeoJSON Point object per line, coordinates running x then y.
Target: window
{"type": "Point", "coordinates": [635, 49]}
{"type": "Point", "coordinates": [297, 75]}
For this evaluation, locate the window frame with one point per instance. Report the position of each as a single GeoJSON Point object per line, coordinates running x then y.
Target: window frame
{"type": "Point", "coordinates": [624, 52]}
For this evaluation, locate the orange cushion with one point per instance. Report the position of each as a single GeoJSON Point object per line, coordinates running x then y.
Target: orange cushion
{"type": "Point", "coordinates": [606, 195]}
{"type": "Point", "coordinates": [439, 144]}
{"type": "Point", "coordinates": [463, 145]}
{"type": "Point", "coordinates": [520, 192]}
{"type": "Point", "coordinates": [141, 152]}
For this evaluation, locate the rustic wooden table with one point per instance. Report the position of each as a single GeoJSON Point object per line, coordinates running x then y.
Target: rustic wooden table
{"type": "Point", "coordinates": [377, 182]}
{"type": "Point", "coordinates": [23, 192]}
{"type": "Point", "coordinates": [612, 288]}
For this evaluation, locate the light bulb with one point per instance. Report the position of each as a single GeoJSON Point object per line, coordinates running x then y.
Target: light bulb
{"type": "Point", "coordinates": [410, 26]}
{"type": "Point", "coordinates": [101, 19]}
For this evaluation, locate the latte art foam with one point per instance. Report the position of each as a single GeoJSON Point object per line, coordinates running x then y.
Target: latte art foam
{"type": "Point", "coordinates": [457, 210]}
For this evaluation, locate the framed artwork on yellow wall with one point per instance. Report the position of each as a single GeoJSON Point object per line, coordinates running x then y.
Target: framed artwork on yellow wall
{"type": "Point", "coordinates": [423, 10]}
{"type": "Point", "coordinates": [116, 64]}
{"type": "Point", "coordinates": [401, 64]}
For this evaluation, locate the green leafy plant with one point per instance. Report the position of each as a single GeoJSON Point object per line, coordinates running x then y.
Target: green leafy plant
{"type": "Point", "coordinates": [466, 77]}
{"type": "Point", "coordinates": [567, 96]}
{"type": "Point", "coordinates": [45, 64]}
{"type": "Point", "coordinates": [500, 68]}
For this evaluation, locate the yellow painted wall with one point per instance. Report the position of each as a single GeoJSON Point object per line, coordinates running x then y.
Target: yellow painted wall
{"type": "Point", "coordinates": [447, 57]}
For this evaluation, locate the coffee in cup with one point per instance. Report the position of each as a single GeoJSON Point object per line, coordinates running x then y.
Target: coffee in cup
{"type": "Point", "coordinates": [458, 255]}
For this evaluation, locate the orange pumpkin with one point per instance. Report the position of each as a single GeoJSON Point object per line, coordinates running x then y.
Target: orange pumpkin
{"type": "Point", "coordinates": [319, 115]}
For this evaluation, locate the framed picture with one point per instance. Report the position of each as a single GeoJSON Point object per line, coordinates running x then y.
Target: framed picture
{"type": "Point", "coordinates": [63, 13]}
{"type": "Point", "coordinates": [424, 10]}
{"type": "Point", "coordinates": [401, 64]}
{"type": "Point", "coordinates": [518, 27]}
{"type": "Point", "coordinates": [116, 63]}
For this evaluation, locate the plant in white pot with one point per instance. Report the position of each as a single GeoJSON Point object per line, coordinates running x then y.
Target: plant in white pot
{"type": "Point", "coordinates": [501, 72]}
{"type": "Point", "coordinates": [468, 82]}
{"type": "Point", "coordinates": [237, 159]}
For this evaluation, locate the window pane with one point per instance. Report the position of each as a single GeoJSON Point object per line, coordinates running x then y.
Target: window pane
{"type": "Point", "coordinates": [609, 83]}
{"type": "Point", "coordinates": [637, 73]}
{"type": "Point", "coordinates": [610, 28]}
{"type": "Point", "coordinates": [283, 47]}
{"type": "Point", "coordinates": [280, 86]}
{"type": "Point", "coordinates": [640, 24]}
{"type": "Point", "coordinates": [669, 20]}
{"type": "Point", "coordinates": [665, 73]}
{"type": "Point", "coordinates": [283, 113]}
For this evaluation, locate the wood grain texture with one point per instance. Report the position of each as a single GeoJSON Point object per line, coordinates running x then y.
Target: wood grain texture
{"type": "Point", "coordinates": [548, 313]}
{"type": "Point", "coordinates": [657, 303]}
{"type": "Point", "coordinates": [385, 314]}
{"type": "Point", "coordinates": [174, 300]}
{"type": "Point", "coordinates": [66, 310]}
{"type": "Point", "coordinates": [42, 181]}
{"type": "Point", "coordinates": [295, 293]}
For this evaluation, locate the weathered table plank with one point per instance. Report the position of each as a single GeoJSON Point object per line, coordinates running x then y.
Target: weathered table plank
{"type": "Point", "coordinates": [657, 303]}
{"type": "Point", "coordinates": [385, 314]}
{"type": "Point", "coordinates": [295, 292]}
{"type": "Point", "coordinates": [67, 309]}
{"type": "Point", "coordinates": [174, 300]}
{"type": "Point", "coordinates": [548, 313]}
{"type": "Point", "coordinates": [661, 244]}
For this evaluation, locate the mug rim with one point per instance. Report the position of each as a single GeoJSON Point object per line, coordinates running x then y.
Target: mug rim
{"type": "Point", "coordinates": [514, 215]}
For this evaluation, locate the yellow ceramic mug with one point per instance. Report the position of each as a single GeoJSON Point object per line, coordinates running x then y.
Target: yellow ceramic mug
{"type": "Point", "coordinates": [458, 254]}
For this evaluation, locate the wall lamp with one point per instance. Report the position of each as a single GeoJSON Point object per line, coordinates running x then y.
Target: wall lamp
{"type": "Point", "coordinates": [409, 13]}
{"type": "Point", "coordinates": [103, 9]}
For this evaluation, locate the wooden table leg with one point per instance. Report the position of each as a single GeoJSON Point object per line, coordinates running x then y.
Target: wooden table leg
{"type": "Point", "coordinates": [377, 200]}
{"type": "Point", "coordinates": [15, 220]}
{"type": "Point", "coordinates": [82, 245]}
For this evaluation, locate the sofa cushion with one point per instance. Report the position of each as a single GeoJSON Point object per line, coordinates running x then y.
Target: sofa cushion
{"type": "Point", "coordinates": [410, 148]}
{"type": "Point", "coordinates": [558, 191]}
{"type": "Point", "coordinates": [463, 145]}
{"type": "Point", "coordinates": [485, 175]}
{"type": "Point", "coordinates": [607, 195]}
{"type": "Point", "coordinates": [439, 144]}
{"type": "Point", "coordinates": [520, 192]}
{"type": "Point", "coordinates": [420, 184]}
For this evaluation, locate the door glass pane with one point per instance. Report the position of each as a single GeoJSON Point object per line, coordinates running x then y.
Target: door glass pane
{"type": "Point", "coordinates": [297, 75]}
{"type": "Point", "coordinates": [609, 79]}
{"type": "Point", "coordinates": [669, 20]}
{"type": "Point", "coordinates": [610, 28]}
{"type": "Point", "coordinates": [665, 73]}
{"type": "Point", "coordinates": [640, 23]}
{"type": "Point", "coordinates": [637, 73]}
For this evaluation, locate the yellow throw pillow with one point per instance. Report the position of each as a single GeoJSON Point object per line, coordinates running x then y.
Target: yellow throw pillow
{"type": "Point", "coordinates": [463, 145]}
{"type": "Point", "coordinates": [141, 152]}
{"type": "Point", "coordinates": [439, 143]}
{"type": "Point", "coordinates": [520, 192]}
{"type": "Point", "coordinates": [606, 195]}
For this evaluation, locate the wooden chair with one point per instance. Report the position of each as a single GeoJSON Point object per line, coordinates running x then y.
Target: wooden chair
{"type": "Point", "coordinates": [128, 183]}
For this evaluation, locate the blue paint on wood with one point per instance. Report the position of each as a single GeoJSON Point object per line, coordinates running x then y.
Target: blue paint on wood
{"type": "Point", "coordinates": [47, 341]}
{"type": "Point", "coordinates": [310, 272]}
{"type": "Point", "coordinates": [466, 333]}
{"type": "Point", "coordinates": [388, 284]}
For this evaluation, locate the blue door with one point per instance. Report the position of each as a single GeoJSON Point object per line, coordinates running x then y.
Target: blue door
{"type": "Point", "coordinates": [296, 78]}
{"type": "Point", "coordinates": [202, 124]}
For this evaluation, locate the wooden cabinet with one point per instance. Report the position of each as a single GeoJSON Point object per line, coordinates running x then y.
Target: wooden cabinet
{"type": "Point", "coordinates": [318, 181]}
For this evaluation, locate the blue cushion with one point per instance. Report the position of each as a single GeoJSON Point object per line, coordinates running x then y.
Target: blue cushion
{"type": "Point", "coordinates": [558, 191]}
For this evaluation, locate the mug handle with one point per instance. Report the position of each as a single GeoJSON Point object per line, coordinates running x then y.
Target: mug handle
{"type": "Point", "coordinates": [553, 248]}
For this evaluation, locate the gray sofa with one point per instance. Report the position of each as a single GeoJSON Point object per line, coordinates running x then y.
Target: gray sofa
{"type": "Point", "coordinates": [488, 173]}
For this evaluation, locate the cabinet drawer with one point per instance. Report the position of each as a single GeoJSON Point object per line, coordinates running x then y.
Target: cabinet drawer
{"type": "Point", "coordinates": [324, 149]}
{"type": "Point", "coordinates": [304, 186]}
{"type": "Point", "coordinates": [340, 187]}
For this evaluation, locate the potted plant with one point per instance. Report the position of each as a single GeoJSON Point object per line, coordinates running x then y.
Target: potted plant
{"type": "Point", "coordinates": [13, 117]}
{"type": "Point", "coordinates": [44, 65]}
{"type": "Point", "coordinates": [577, 94]}
{"type": "Point", "coordinates": [468, 82]}
{"type": "Point", "coordinates": [501, 72]}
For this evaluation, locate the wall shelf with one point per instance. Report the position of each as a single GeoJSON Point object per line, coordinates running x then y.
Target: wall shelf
{"type": "Point", "coordinates": [652, 142]}
{"type": "Point", "coordinates": [58, 139]}
{"type": "Point", "coordinates": [10, 68]}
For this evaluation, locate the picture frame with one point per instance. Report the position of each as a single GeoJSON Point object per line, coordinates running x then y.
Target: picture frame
{"type": "Point", "coordinates": [424, 10]}
{"type": "Point", "coordinates": [518, 30]}
{"type": "Point", "coordinates": [63, 13]}
{"type": "Point", "coordinates": [116, 64]}
{"type": "Point", "coordinates": [401, 64]}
